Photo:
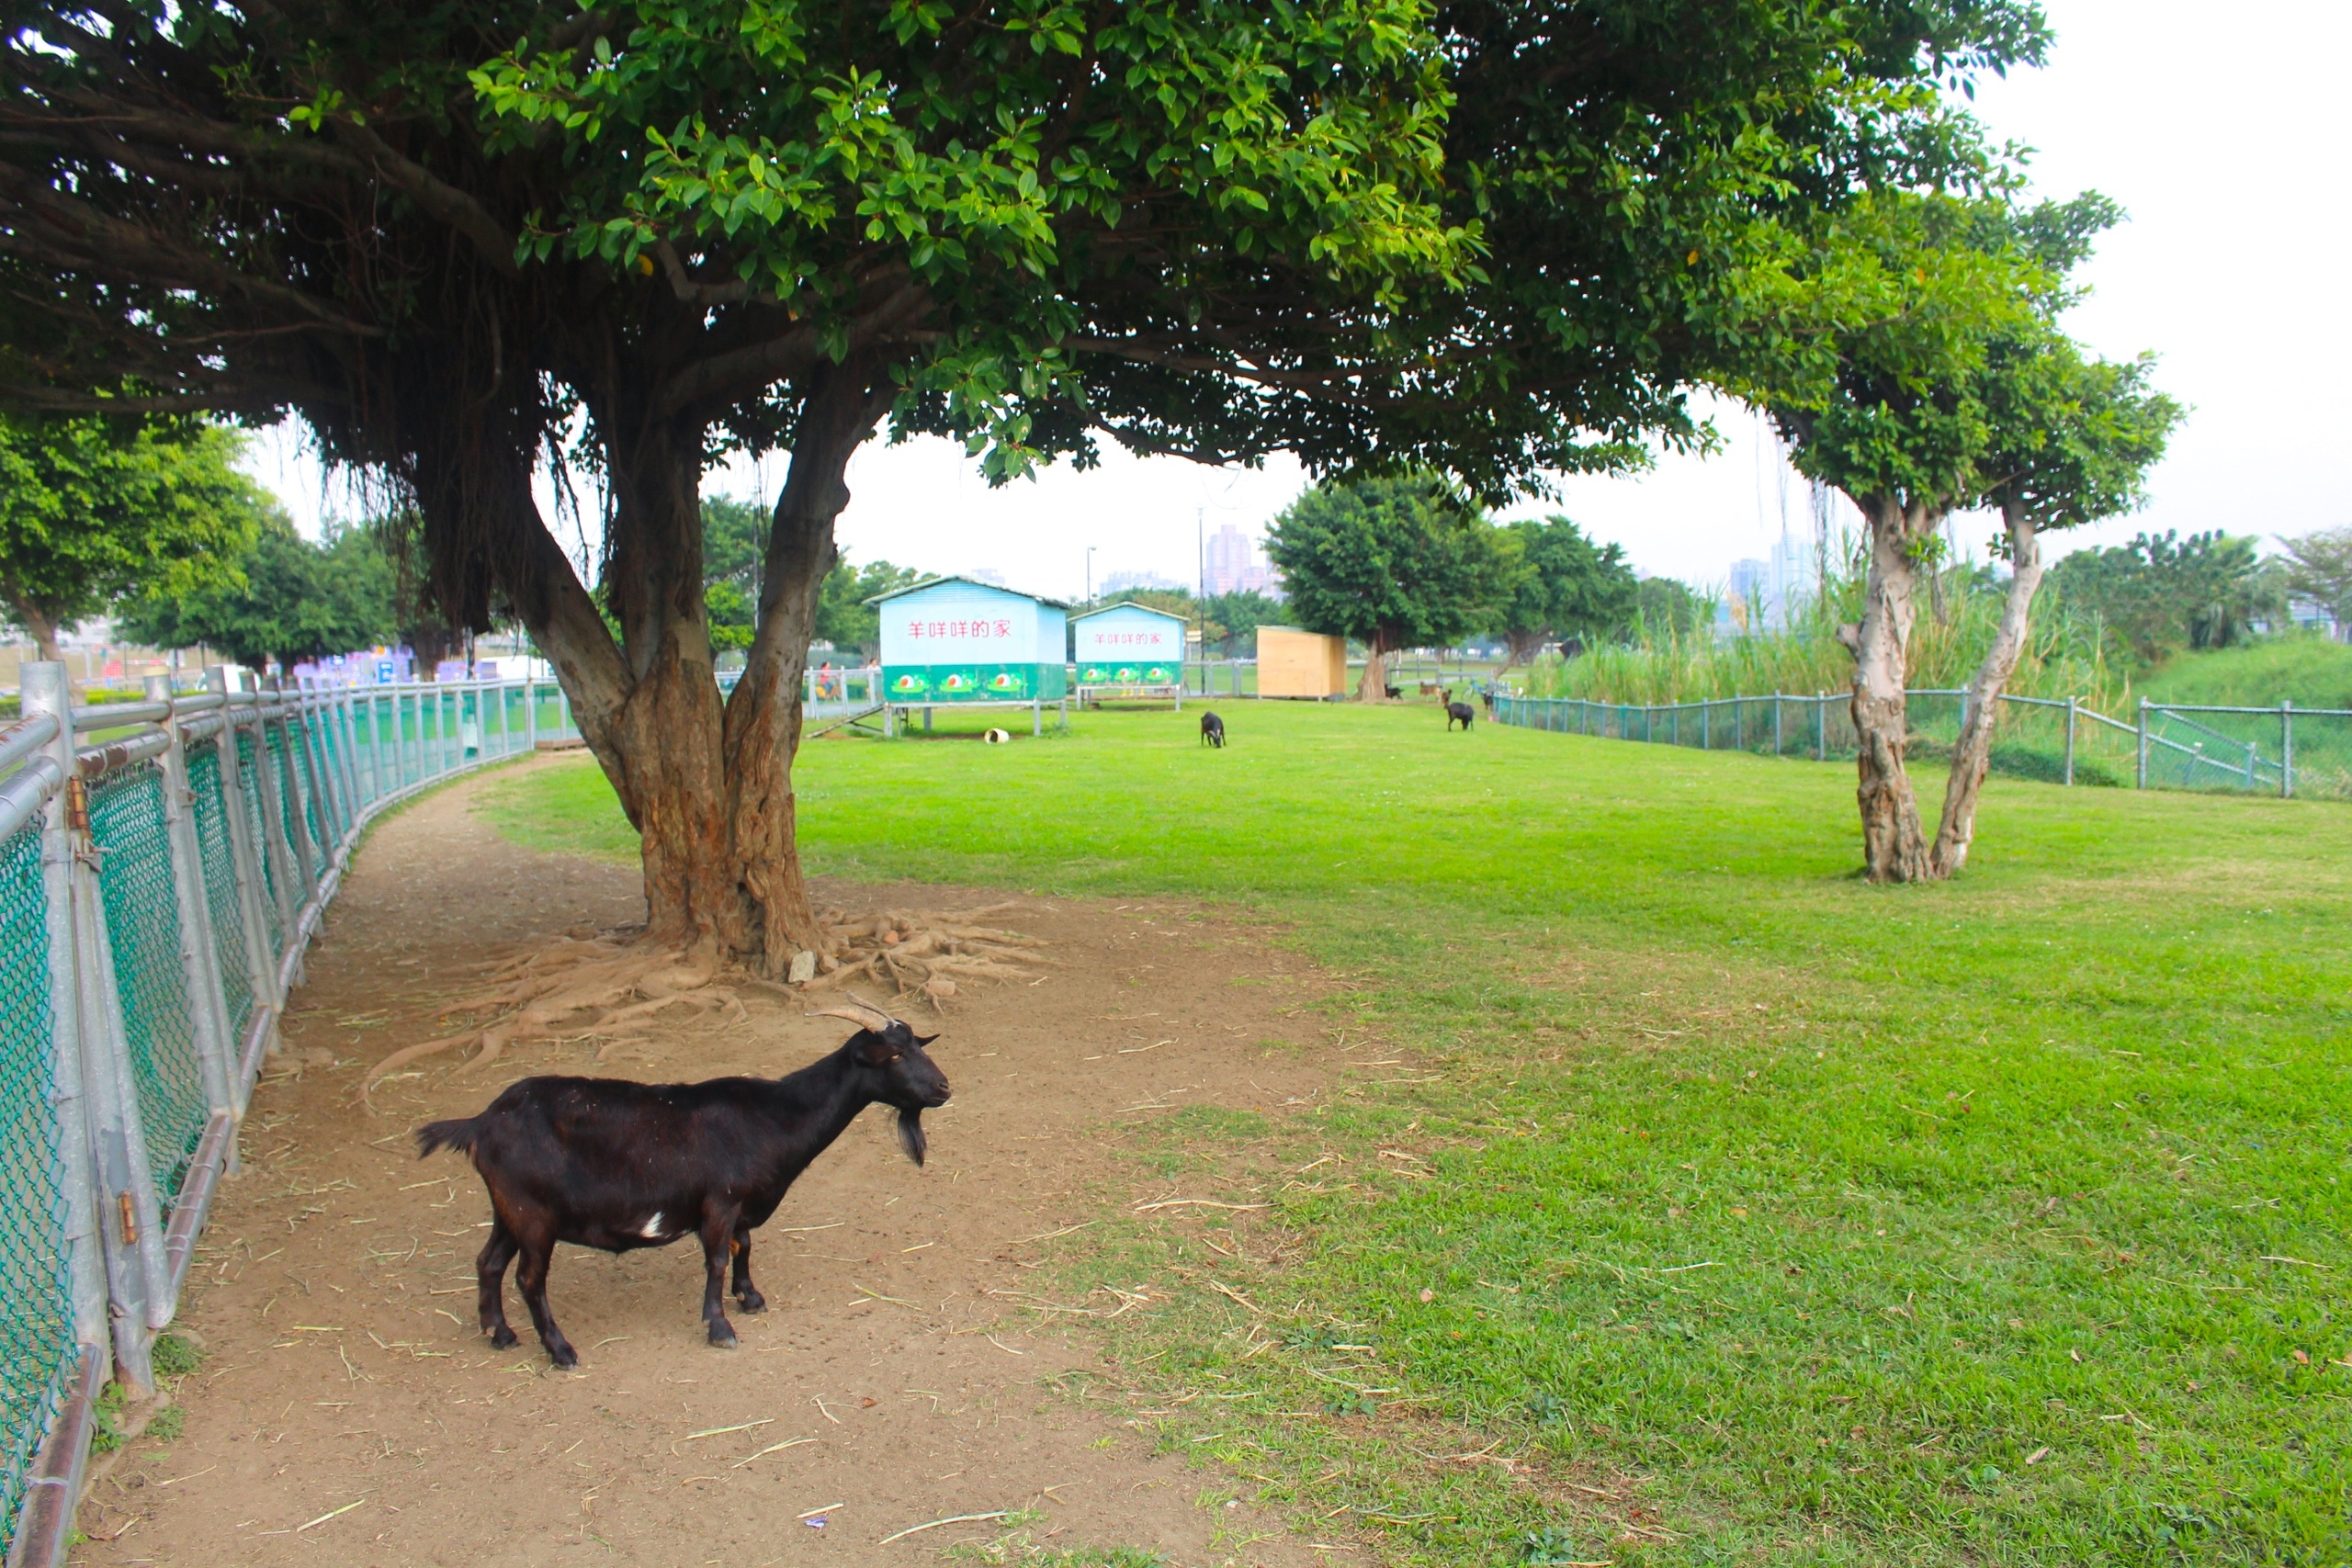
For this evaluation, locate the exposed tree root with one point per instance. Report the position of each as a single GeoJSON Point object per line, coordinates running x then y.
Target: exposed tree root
{"type": "Point", "coordinates": [612, 985]}
{"type": "Point", "coordinates": [923, 953]}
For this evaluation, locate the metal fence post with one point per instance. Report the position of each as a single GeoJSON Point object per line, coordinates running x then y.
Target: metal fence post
{"type": "Point", "coordinates": [245, 859]}
{"type": "Point", "coordinates": [1776, 724]}
{"type": "Point", "coordinates": [2073, 705]}
{"type": "Point", "coordinates": [44, 692]}
{"type": "Point", "coordinates": [1821, 726]}
{"type": "Point", "coordinates": [2140, 778]}
{"type": "Point", "coordinates": [319, 856]}
{"type": "Point", "coordinates": [278, 825]}
{"type": "Point", "coordinates": [2286, 750]}
{"type": "Point", "coordinates": [129, 1222]}
{"type": "Point", "coordinates": [531, 711]}
{"type": "Point", "coordinates": [216, 1052]}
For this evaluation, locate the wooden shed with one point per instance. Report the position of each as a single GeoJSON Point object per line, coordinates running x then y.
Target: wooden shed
{"type": "Point", "coordinates": [952, 640]}
{"type": "Point", "coordinates": [1294, 663]}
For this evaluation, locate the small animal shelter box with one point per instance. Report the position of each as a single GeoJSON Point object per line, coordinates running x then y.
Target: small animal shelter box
{"type": "Point", "coordinates": [1293, 663]}
{"type": "Point", "coordinates": [1128, 645]}
{"type": "Point", "coordinates": [952, 640]}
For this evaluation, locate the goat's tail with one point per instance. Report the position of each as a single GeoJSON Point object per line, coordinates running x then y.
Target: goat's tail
{"type": "Point", "coordinates": [458, 1135]}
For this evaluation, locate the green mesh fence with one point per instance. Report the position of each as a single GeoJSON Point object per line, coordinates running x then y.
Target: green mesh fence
{"type": "Point", "coordinates": [249, 780]}
{"type": "Point", "coordinates": [2231, 750]}
{"type": "Point", "coordinates": [304, 761]}
{"type": "Point", "coordinates": [285, 766]}
{"type": "Point", "coordinates": [36, 1286]}
{"type": "Point", "coordinates": [211, 812]}
{"type": "Point", "coordinates": [143, 925]}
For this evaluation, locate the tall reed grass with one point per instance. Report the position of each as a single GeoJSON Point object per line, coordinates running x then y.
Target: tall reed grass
{"type": "Point", "coordinates": [1959, 610]}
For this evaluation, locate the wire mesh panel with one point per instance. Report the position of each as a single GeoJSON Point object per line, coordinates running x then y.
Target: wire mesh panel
{"type": "Point", "coordinates": [282, 760]}
{"type": "Point", "coordinates": [326, 825]}
{"type": "Point", "coordinates": [36, 1285]}
{"type": "Point", "coordinates": [143, 925]}
{"type": "Point", "coordinates": [249, 780]}
{"type": "Point", "coordinates": [211, 812]}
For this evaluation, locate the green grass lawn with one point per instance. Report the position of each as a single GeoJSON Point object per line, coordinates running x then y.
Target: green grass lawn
{"type": "Point", "coordinates": [2000, 1221]}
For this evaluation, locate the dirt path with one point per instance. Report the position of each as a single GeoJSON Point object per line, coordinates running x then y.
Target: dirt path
{"type": "Point", "coordinates": [347, 1411]}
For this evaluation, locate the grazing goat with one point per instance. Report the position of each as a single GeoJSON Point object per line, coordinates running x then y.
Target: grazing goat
{"type": "Point", "coordinates": [609, 1164]}
{"type": "Point", "coordinates": [1455, 712]}
{"type": "Point", "coordinates": [1211, 730]}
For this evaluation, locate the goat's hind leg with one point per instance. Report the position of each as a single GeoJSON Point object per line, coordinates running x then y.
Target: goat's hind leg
{"type": "Point", "coordinates": [490, 1270]}
{"type": "Point", "coordinates": [718, 1231]}
{"type": "Point", "coordinates": [746, 1294]}
{"type": "Point", "coordinates": [531, 1279]}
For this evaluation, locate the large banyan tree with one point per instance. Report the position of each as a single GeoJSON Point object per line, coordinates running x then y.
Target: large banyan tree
{"type": "Point", "coordinates": [465, 239]}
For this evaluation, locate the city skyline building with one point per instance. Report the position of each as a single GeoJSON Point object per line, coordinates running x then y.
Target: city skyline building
{"type": "Point", "coordinates": [1235, 564]}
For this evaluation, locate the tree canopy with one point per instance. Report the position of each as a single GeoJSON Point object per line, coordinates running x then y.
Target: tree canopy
{"type": "Point", "coordinates": [2319, 568]}
{"type": "Point", "coordinates": [291, 601]}
{"type": "Point", "coordinates": [1561, 585]}
{"type": "Point", "coordinates": [96, 509]}
{"type": "Point", "coordinates": [1395, 562]}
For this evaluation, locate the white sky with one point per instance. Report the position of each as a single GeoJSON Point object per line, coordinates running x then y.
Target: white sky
{"type": "Point", "coordinates": [2222, 139]}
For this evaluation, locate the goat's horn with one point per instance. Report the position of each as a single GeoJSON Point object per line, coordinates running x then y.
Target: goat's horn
{"type": "Point", "coordinates": [859, 1012]}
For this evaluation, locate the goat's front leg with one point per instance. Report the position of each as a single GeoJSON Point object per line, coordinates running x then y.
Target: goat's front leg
{"type": "Point", "coordinates": [717, 1236]}
{"type": "Point", "coordinates": [746, 1292]}
{"type": "Point", "coordinates": [490, 1270]}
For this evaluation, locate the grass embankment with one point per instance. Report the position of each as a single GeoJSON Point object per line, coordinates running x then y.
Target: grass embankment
{"type": "Point", "coordinates": [2000, 1221]}
{"type": "Point", "coordinates": [2309, 672]}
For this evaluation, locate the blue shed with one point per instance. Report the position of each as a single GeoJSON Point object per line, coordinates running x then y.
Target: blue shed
{"type": "Point", "coordinates": [950, 639]}
{"type": "Point", "coordinates": [1130, 645]}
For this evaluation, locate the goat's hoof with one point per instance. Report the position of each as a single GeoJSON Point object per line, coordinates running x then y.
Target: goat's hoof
{"type": "Point", "coordinates": [722, 1337]}
{"type": "Point", "coordinates": [564, 1355]}
{"type": "Point", "coordinates": [752, 1301]}
{"type": "Point", "coordinates": [502, 1338]}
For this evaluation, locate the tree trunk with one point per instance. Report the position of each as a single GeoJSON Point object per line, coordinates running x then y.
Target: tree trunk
{"type": "Point", "coordinates": [1973, 753]}
{"type": "Point", "coordinates": [1894, 847]}
{"type": "Point", "coordinates": [42, 628]}
{"type": "Point", "coordinates": [763, 719]}
{"type": "Point", "coordinates": [666, 735]}
{"type": "Point", "coordinates": [1372, 685]}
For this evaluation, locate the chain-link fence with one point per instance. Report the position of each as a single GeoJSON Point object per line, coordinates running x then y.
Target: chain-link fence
{"type": "Point", "coordinates": [157, 895]}
{"type": "Point", "coordinates": [2284, 750]}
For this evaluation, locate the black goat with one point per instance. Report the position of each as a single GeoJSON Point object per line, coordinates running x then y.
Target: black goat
{"type": "Point", "coordinates": [1211, 730]}
{"type": "Point", "coordinates": [609, 1164]}
{"type": "Point", "coordinates": [1462, 713]}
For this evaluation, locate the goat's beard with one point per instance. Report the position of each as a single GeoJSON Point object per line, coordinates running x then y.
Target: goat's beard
{"type": "Point", "coordinates": [911, 1136]}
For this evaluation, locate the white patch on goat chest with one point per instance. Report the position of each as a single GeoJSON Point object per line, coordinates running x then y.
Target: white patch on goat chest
{"type": "Point", "coordinates": [652, 1231]}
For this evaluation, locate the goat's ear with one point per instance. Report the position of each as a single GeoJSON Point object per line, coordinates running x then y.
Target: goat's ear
{"type": "Point", "coordinates": [873, 1050]}
{"type": "Point", "coordinates": [925, 1039]}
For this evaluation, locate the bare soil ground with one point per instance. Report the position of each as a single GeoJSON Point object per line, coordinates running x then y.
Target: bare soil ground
{"type": "Point", "coordinates": [350, 1412]}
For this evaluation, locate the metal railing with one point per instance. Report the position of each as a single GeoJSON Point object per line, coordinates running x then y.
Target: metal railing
{"type": "Point", "coordinates": [164, 866]}
{"type": "Point", "coordinates": [2284, 750]}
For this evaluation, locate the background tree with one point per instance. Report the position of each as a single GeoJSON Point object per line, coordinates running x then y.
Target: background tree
{"type": "Point", "coordinates": [1562, 586]}
{"type": "Point", "coordinates": [734, 532]}
{"type": "Point", "coordinates": [291, 601]}
{"type": "Point", "coordinates": [2319, 568]}
{"type": "Point", "coordinates": [844, 617]}
{"type": "Point", "coordinates": [1398, 562]}
{"type": "Point", "coordinates": [1672, 605]}
{"type": "Point", "coordinates": [2161, 592]}
{"type": "Point", "coordinates": [1354, 231]}
{"type": "Point", "coordinates": [1230, 621]}
{"type": "Point", "coordinates": [95, 510]}
{"type": "Point", "coordinates": [2071, 441]}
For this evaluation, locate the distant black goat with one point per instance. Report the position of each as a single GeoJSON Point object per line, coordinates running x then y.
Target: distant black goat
{"type": "Point", "coordinates": [1455, 712]}
{"type": "Point", "coordinates": [609, 1164]}
{"type": "Point", "coordinates": [1211, 730]}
